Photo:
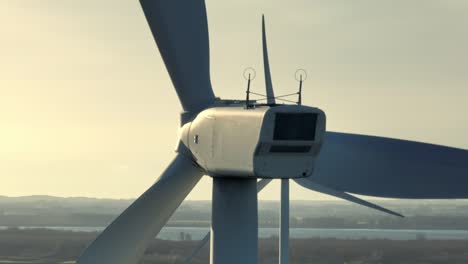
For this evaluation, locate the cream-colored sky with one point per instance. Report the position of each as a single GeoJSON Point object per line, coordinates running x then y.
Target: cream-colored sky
{"type": "Point", "coordinates": [87, 108]}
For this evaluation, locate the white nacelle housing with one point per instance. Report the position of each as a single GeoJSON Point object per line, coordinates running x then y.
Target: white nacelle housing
{"type": "Point", "coordinates": [280, 141]}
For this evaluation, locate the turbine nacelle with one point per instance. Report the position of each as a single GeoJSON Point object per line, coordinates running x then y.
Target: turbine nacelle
{"type": "Point", "coordinates": [280, 141]}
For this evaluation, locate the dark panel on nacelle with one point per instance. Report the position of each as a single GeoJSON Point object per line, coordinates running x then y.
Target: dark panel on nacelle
{"type": "Point", "coordinates": [295, 126]}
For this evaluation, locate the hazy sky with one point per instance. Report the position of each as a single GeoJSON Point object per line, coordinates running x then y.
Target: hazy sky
{"type": "Point", "coordinates": [87, 107]}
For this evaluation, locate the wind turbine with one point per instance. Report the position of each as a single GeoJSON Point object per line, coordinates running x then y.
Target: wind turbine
{"type": "Point", "coordinates": [237, 143]}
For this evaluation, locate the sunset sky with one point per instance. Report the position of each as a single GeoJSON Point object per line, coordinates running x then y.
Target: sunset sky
{"type": "Point", "coordinates": [87, 107]}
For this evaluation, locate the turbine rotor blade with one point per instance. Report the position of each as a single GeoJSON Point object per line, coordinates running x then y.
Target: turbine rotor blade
{"type": "Point", "coordinates": [180, 29]}
{"type": "Point", "coordinates": [260, 185]}
{"type": "Point", "coordinates": [125, 239]}
{"type": "Point", "coordinates": [309, 184]}
{"type": "Point", "coordinates": [266, 65]}
{"type": "Point", "coordinates": [393, 168]}
{"type": "Point", "coordinates": [199, 247]}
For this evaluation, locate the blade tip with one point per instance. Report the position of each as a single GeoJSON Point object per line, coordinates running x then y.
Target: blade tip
{"type": "Point", "coordinates": [398, 214]}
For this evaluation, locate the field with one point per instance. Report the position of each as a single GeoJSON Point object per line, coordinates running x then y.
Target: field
{"type": "Point", "coordinates": [42, 246]}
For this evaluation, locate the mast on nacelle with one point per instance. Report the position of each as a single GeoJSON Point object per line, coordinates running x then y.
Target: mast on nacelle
{"type": "Point", "coordinates": [301, 76]}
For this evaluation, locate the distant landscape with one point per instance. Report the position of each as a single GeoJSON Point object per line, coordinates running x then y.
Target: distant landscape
{"type": "Point", "coordinates": [41, 211]}
{"type": "Point", "coordinates": [28, 231]}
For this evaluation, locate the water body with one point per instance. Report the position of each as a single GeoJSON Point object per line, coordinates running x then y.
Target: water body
{"type": "Point", "coordinates": [197, 233]}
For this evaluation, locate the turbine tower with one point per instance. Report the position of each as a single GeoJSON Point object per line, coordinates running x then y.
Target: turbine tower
{"type": "Point", "coordinates": [237, 144]}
